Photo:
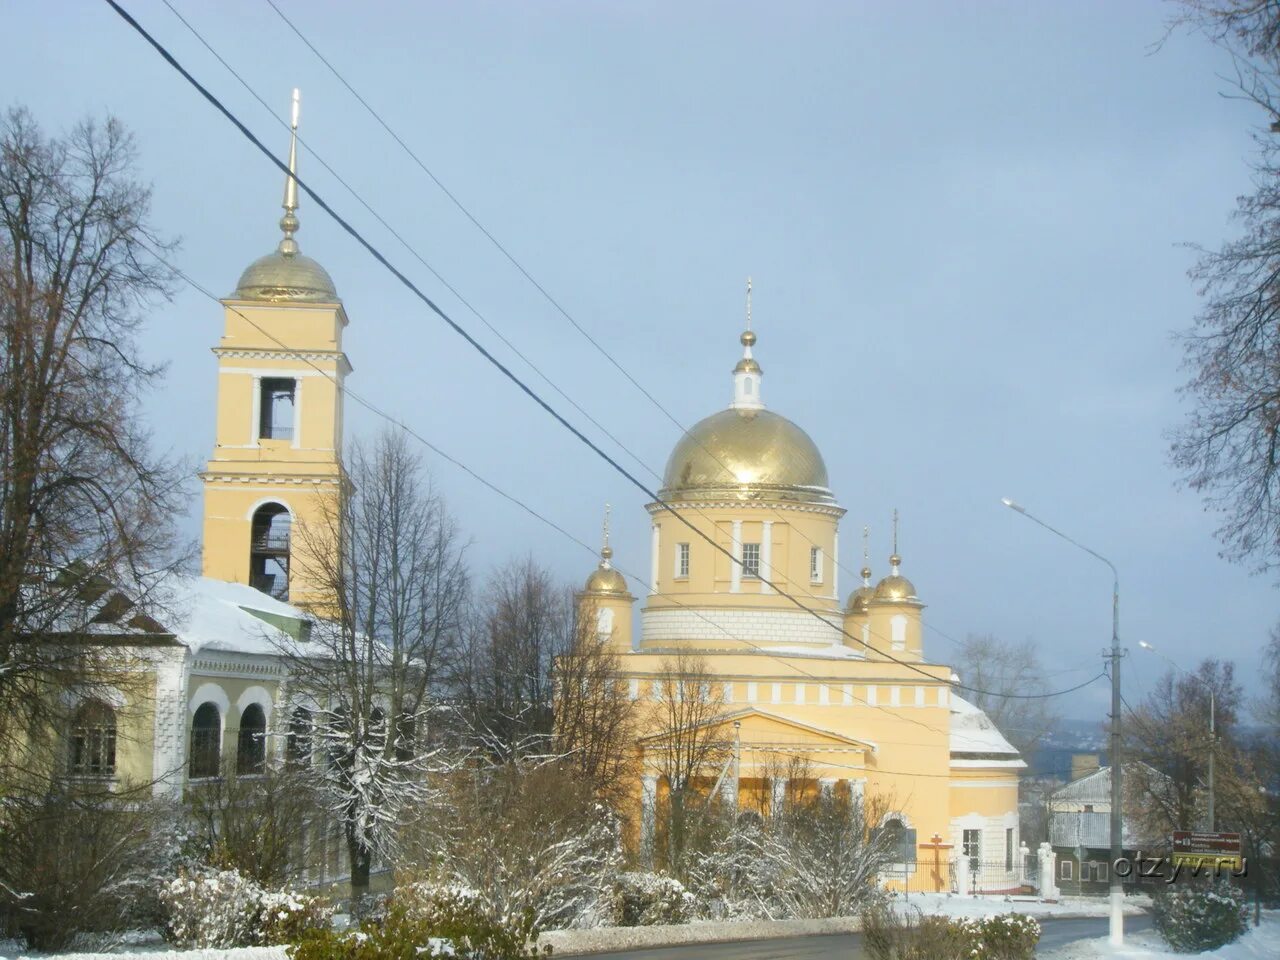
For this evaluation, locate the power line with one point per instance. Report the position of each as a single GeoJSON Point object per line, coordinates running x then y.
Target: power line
{"type": "Point", "coordinates": [506, 371]}
{"type": "Point", "coordinates": [465, 302]}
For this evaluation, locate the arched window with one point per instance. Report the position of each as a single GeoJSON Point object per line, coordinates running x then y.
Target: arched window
{"type": "Point", "coordinates": [251, 748]}
{"type": "Point", "coordinates": [93, 740]}
{"type": "Point", "coordinates": [269, 550]}
{"type": "Point", "coordinates": [298, 747]}
{"type": "Point", "coordinates": [206, 741]}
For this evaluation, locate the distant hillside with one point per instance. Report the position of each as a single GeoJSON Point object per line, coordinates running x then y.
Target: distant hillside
{"type": "Point", "coordinates": [1053, 757]}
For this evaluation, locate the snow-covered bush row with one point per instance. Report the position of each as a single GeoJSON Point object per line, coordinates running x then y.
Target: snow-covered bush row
{"type": "Point", "coordinates": [646, 899]}
{"type": "Point", "coordinates": [909, 935]}
{"type": "Point", "coordinates": [423, 923]}
{"type": "Point", "coordinates": [1197, 916]}
{"type": "Point", "coordinates": [224, 908]}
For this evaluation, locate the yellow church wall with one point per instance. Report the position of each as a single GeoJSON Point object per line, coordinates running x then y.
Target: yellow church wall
{"type": "Point", "coordinates": [792, 532]}
{"type": "Point", "coordinates": [300, 326]}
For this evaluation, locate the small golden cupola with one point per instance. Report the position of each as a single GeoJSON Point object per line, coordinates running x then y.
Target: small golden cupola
{"type": "Point", "coordinates": [605, 600]}
{"type": "Point", "coordinates": [894, 610]}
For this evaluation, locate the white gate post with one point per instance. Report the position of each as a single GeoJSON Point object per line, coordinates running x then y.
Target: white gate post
{"type": "Point", "coordinates": [1023, 853]}
{"type": "Point", "coordinates": [1048, 872]}
{"type": "Point", "coordinates": [962, 875]}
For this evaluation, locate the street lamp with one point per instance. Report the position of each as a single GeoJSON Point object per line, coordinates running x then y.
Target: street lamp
{"type": "Point", "coordinates": [1117, 851]}
{"type": "Point", "coordinates": [1213, 735]}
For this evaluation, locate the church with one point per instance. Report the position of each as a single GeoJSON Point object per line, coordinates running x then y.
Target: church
{"type": "Point", "coordinates": [744, 577]}
{"type": "Point", "coordinates": [744, 586]}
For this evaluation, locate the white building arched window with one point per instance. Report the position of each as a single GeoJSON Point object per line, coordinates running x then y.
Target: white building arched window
{"type": "Point", "coordinates": [93, 740]}
{"type": "Point", "coordinates": [604, 623]}
{"type": "Point", "coordinates": [206, 741]}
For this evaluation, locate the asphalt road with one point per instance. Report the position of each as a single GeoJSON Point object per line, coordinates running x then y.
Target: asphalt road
{"type": "Point", "coordinates": [848, 946]}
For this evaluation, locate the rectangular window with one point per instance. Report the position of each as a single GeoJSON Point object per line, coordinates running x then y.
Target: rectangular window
{"type": "Point", "coordinates": [815, 564]}
{"type": "Point", "coordinates": [1064, 870]}
{"type": "Point", "coordinates": [1100, 871]}
{"type": "Point", "coordinates": [276, 407]}
{"type": "Point", "coordinates": [682, 561]}
{"type": "Point", "coordinates": [1008, 848]}
{"type": "Point", "coordinates": [1088, 808]}
{"type": "Point", "coordinates": [751, 560]}
{"type": "Point", "coordinates": [753, 692]}
{"type": "Point", "coordinates": [972, 844]}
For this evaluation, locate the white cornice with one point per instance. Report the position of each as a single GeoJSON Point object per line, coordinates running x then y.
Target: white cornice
{"type": "Point", "coordinates": [284, 353]}
{"type": "Point", "coordinates": [825, 509]}
{"type": "Point", "coordinates": [209, 476]}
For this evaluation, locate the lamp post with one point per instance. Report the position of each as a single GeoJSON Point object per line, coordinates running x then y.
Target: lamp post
{"type": "Point", "coordinates": [1213, 734]}
{"type": "Point", "coordinates": [1117, 851]}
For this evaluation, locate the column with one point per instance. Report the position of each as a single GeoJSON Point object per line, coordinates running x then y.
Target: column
{"type": "Point", "coordinates": [1023, 853]}
{"type": "Point", "coordinates": [648, 816]}
{"type": "Point", "coordinates": [766, 556]}
{"type": "Point", "coordinates": [779, 796]}
{"type": "Point", "coordinates": [735, 574]}
{"type": "Point", "coordinates": [653, 561]}
{"type": "Point", "coordinates": [835, 566]}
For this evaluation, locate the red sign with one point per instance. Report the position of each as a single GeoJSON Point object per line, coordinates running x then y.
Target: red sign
{"type": "Point", "coordinates": [1206, 849]}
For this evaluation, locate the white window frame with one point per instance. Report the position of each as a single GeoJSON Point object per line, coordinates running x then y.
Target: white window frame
{"type": "Point", "coordinates": [977, 842]}
{"type": "Point", "coordinates": [1066, 870]}
{"type": "Point", "coordinates": [682, 561]}
{"type": "Point", "coordinates": [751, 561]}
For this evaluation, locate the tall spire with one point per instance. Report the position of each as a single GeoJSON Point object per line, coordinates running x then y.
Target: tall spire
{"type": "Point", "coordinates": [747, 374]}
{"type": "Point", "coordinates": [289, 222]}
{"type": "Point", "coordinates": [895, 561]}
{"type": "Point", "coordinates": [606, 551]}
{"type": "Point", "coordinates": [866, 556]}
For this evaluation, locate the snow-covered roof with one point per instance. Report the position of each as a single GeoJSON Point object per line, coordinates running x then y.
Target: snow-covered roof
{"type": "Point", "coordinates": [1092, 828]}
{"type": "Point", "coordinates": [975, 741]}
{"type": "Point", "coordinates": [207, 614]}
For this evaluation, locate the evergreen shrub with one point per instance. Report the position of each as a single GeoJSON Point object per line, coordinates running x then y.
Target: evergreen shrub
{"type": "Point", "coordinates": [889, 934]}
{"type": "Point", "coordinates": [1200, 915]}
{"type": "Point", "coordinates": [647, 899]}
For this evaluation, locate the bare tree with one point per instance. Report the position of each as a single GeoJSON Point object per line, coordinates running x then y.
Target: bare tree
{"type": "Point", "coordinates": [688, 748]}
{"type": "Point", "coordinates": [824, 853]}
{"type": "Point", "coordinates": [368, 680]}
{"type": "Point", "coordinates": [1228, 448]}
{"type": "Point", "coordinates": [84, 503]}
{"type": "Point", "coordinates": [1168, 734]}
{"type": "Point", "coordinates": [523, 621]}
{"type": "Point", "coordinates": [595, 728]}
{"type": "Point", "coordinates": [1003, 668]}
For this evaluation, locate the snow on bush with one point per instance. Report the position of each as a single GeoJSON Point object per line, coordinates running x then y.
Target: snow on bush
{"type": "Point", "coordinates": [909, 935]}
{"type": "Point", "coordinates": [1197, 916]}
{"type": "Point", "coordinates": [424, 922]}
{"type": "Point", "coordinates": [220, 909]}
{"type": "Point", "coordinates": [645, 899]}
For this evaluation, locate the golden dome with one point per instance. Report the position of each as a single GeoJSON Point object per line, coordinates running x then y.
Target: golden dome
{"type": "Point", "coordinates": [746, 455]}
{"type": "Point", "coordinates": [289, 277]}
{"type": "Point", "coordinates": [859, 599]}
{"type": "Point", "coordinates": [896, 588]}
{"type": "Point", "coordinates": [605, 579]}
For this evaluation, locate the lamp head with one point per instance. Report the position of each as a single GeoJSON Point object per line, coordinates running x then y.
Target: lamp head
{"type": "Point", "coordinates": [1013, 504]}
{"type": "Point", "coordinates": [1145, 646]}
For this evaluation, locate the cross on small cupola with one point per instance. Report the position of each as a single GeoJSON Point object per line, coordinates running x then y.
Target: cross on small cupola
{"type": "Point", "coordinates": [747, 374]}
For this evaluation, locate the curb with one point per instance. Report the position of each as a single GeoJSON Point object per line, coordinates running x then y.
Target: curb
{"type": "Point", "coordinates": [602, 940]}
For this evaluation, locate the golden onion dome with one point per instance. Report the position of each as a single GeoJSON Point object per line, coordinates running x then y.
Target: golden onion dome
{"type": "Point", "coordinates": [605, 579]}
{"type": "Point", "coordinates": [896, 588]}
{"type": "Point", "coordinates": [287, 277]}
{"type": "Point", "coordinates": [746, 454]}
{"type": "Point", "coordinates": [859, 599]}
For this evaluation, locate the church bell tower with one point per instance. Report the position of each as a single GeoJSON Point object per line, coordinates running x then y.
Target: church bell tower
{"type": "Point", "coordinates": [275, 481]}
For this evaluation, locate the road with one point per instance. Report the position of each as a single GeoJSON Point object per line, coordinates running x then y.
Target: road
{"type": "Point", "coordinates": [848, 946]}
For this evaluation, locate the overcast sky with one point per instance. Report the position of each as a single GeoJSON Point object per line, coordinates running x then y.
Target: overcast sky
{"type": "Point", "coordinates": [967, 223]}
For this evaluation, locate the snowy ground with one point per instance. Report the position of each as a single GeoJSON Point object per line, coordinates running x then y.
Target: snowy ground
{"type": "Point", "coordinates": [158, 951]}
{"type": "Point", "coordinates": [1260, 943]}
